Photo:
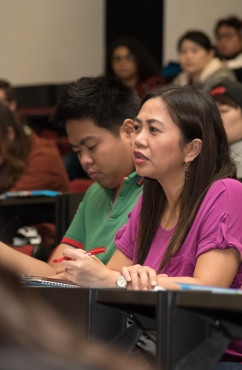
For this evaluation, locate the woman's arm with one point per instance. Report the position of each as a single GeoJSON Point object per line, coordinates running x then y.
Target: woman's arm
{"type": "Point", "coordinates": [217, 267]}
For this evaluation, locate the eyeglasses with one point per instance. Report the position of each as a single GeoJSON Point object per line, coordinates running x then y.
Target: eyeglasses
{"type": "Point", "coordinates": [227, 36]}
{"type": "Point", "coordinates": [129, 58]}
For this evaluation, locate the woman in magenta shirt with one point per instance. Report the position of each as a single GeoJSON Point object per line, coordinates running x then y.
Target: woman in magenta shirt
{"type": "Point", "coordinates": [186, 227]}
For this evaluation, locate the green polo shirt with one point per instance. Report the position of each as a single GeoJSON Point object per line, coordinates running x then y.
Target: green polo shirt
{"type": "Point", "coordinates": [99, 216]}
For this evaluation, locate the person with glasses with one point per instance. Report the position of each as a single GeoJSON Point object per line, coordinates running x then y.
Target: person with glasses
{"type": "Point", "coordinates": [228, 33]}
{"type": "Point", "coordinates": [129, 60]}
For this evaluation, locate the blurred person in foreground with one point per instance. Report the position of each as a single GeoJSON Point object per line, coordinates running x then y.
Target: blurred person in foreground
{"type": "Point", "coordinates": [34, 336]}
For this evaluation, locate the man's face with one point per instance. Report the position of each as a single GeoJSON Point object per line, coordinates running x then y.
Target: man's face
{"type": "Point", "coordinates": [228, 41]}
{"type": "Point", "coordinates": [106, 158]}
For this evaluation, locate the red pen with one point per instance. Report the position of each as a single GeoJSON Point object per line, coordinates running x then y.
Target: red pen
{"type": "Point", "coordinates": [92, 252]}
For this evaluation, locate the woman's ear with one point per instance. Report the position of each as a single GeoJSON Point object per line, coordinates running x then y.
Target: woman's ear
{"type": "Point", "coordinates": [127, 127]}
{"type": "Point", "coordinates": [193, 149]}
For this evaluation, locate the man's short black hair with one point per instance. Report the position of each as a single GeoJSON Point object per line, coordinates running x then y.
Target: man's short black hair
{"type": "Point", "coordinates": [231, 21]}
{"type": "Point", "coordinates": [104, 100]}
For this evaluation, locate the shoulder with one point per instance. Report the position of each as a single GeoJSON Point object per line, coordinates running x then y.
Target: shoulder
{"type": "Point", "coordinates": [227, 184]}
{"type": "Point", "coordinates": [228, 189]}
{"type": "Point", "coordinates": [43, 145]}
{"type": "Point", "coordinates": [225, 72]}
{"type": "Point", "coordinates": [94, 192]}
{"type": "Point", "coordinates": [223, 197]}
{"type": "Point", "coordinates": [180, 79]}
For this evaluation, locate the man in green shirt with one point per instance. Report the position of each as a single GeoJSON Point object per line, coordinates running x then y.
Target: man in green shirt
{"type": "Point", "coordinates": [97, 113]}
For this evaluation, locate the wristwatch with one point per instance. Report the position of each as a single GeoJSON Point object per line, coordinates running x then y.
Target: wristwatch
{"type": "Point", "coordinates": [121, 282]}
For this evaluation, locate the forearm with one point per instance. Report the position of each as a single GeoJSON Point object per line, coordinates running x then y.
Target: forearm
{"type": "Point", "coordinates": [109, 279]}
{"type": "Point", "coordinates": [214, 268]}
{"type": "Point", "coordinates": [22, 263]}
{"type": "Point", "coordinates": [173, 282]}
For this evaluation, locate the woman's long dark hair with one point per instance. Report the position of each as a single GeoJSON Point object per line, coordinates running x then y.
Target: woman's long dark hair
{"type": "Point", "coordinates": [196, 115]}
{"type": "Point", "coordinates": [146, 63]}
{"type": "Point", "coordinates": [13, 153]}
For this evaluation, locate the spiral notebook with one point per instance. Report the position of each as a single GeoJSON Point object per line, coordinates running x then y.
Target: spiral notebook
{"type": "Point", "coordinates": [38, 281]}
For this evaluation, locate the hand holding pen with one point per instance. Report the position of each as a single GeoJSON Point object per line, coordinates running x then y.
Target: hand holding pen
{"type": "Point", "coordinates": [84, 270]}
{"type": "Point", "coordinates": [91, 252]}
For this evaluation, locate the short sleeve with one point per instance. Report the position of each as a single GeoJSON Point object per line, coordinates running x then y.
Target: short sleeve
{"type": "Point", "coordinates": [221, 225]}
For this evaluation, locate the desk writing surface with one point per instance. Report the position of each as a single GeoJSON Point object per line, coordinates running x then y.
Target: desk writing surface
{"type": "Point", "coordinates": [24, 201]}
{"type": "Point", "coordinates": [189, 299]}
{"type": "Point", "coordinates": [208, 300]}
{"type": "Point", "coordinates": [123, 296]}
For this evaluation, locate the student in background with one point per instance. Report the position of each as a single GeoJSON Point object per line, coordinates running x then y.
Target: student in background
{"type": "Point", "coordinates": [228, 33]}
{"type": "Point", "coordinates": [132, 63]}
{"type": "Point", "coordinates": [98, 113]}
{"type": "Point", "coordinates": [200, 67]}
{"type": "Point", "coordinates": [187, 223]}
{"type": "Point", "coordinates": [27, 162]}
{"type": "Point", "coordinates": [228, 96]}
{"type": "Point", "coordinates": [8, 95]}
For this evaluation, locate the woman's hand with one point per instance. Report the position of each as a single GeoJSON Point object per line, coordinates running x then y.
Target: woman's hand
{"type": "Point", "coordinates": [86, 270]}
{"type": "Point", "coordinates": [140, 277]}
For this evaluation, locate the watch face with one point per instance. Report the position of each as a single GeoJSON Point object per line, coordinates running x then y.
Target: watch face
{"type": "Point", "coordinates": [121, 282]}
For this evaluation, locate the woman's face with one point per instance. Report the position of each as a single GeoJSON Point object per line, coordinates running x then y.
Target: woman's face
{"type": "Point", "coordinates": [124, 64]}
{"type": "Point", "coordinates": [232, 121]}
{"type": "Point", "coordinates": [157, 144]}
{"type": "Point", "coordinates": [193, 57]}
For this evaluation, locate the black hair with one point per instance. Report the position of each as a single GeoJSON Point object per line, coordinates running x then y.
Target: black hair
{"type": "Point", "coordinates": [105, 100]}
{"type": "Point", "coordinates": [146, 63]}
{"type": "Point", "coordinates": [198, 37]}
{"type": "Point", "coordinates": [231, 21]}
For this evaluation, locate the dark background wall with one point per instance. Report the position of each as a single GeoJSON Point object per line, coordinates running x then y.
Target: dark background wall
{"type": "Point", "coordinates": [142, 19]}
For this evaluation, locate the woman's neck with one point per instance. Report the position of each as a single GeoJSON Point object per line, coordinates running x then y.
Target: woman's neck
{"type": "Point", "coordinates": [170, 217]}
{"type": "Point", "coordinates": [172, 210]}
